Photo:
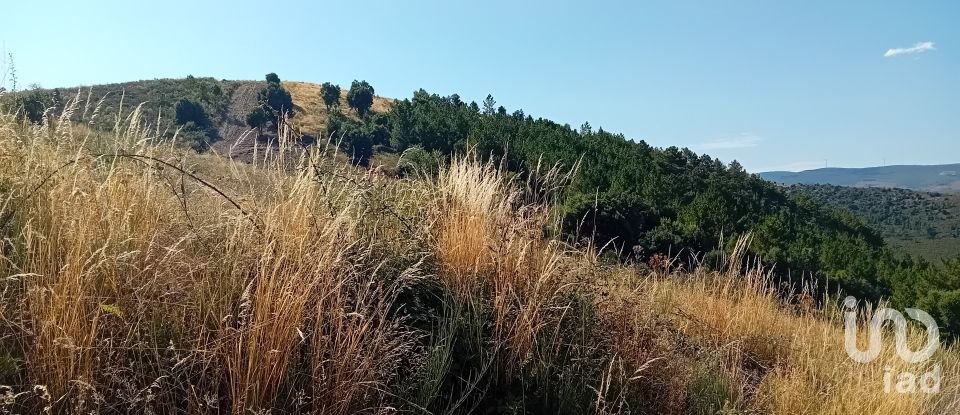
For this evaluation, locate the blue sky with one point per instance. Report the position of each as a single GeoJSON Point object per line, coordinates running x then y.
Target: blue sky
{"type": "Point", "coordinates": [773, 84]}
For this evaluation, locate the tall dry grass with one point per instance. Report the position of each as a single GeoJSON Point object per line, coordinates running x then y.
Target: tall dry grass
{"type": "Point", "coordinates": [490, 243]}
{"type": "Point", "coordinates": [142, 277]}
{"type": "Point", "coordinates": [763, 352]}
{"type": "Point", "coordinates": [134, 280]}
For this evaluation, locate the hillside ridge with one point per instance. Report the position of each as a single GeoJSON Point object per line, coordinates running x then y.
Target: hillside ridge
{"type": "Point", "coordinates": [932, 178]}
{"type": "Point", "coordinates": [923, 224]}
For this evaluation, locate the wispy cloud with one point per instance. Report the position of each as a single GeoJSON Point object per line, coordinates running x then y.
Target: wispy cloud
{"type": "Point", "coordinates": [916, 48]}
{"type": "Point", "coordinates": [742, 140]}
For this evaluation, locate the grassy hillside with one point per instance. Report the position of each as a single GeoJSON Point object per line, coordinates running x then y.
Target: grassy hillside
{"type": "Point", "coordinates": [642, 202]}
{"type": "Point", "coordinates": [226, 102]}
{"type": "Point", "coordinates": [920, 223]}
{"type": "Point", "coordinates": [164, 281]}
{"type": "Point", "coordinates": [937, 178]}
{"type": "Point", "coordinates": [106, 107]}
{"type": "Point", "coordinates": [312, 113]}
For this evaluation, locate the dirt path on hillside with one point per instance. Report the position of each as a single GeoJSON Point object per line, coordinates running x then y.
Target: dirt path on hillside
{"type": "Point", "coordinates": [236, 140]}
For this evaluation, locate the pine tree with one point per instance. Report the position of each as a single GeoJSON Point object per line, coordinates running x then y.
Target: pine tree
{"type": "Point", "coordinates": [489, 105]}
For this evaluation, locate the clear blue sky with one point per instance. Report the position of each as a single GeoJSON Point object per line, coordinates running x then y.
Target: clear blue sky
{"type": "Point", "coordinates": [773, 84]}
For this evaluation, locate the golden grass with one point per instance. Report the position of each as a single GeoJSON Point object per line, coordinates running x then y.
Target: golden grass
{"type": "Point", "coordinates": [313, 116]}
{"type": "Point", "coordinates": [489, 243]}
{"type": "Point", "coordinates": [111, 248]}
{"type": "Point", "coordinates": [140, 277]}
{"type": "Point", "coordinates": [785, 359]}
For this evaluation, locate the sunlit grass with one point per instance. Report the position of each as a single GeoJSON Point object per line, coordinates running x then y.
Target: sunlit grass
{"type": "Point", "coordinates": [142, 277]}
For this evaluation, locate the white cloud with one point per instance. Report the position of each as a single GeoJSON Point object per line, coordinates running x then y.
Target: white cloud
{"type": "Point", "coordinates": [916, 48]}
{"type": "Point", "coordinates": [742, 140]}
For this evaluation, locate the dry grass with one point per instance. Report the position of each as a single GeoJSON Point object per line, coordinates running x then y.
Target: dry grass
{"type": "Point", "coordinates": [312, 118]}
{"type": "Point", "coordinates": [770, 355]}
{"type": "Point", "coordinates": [140, 277]}
{"type": "Point", "coordinates": [115, 256]}
{"type": "Point", "coordinates": [488, 243]}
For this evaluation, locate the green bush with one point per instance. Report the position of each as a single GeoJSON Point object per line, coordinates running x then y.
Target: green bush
{"type": "Point", "coordinates": [31, 105]}
{"type": "Point", "coordinates": [417, 162]}
{"type": "Point", "coordinates": [188, 111]}
{"type": "Point", "coordinates": [360, 97]}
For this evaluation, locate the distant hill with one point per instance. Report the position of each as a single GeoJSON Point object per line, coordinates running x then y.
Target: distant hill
{"type": "Point", "coordinates": [919, 223]}
{"type": "Point", "coordinates": [935, 178]}
{"type": "Point", "coordinates": [227, 102]}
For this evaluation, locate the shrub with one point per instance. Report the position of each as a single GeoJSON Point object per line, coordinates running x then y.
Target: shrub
{"type": "Point", "coordinates": [31, 105]}
{"type": "Point", "coordinates": [417, 162]}
{"type": "Point", "coordinates": [330, 94]}
{"type": "Point", "coordinates": [258, 118]}
{"type": "Point", "coordinates": [360, 97]}
{"type": "Point", "coordinates": [188, 111]}
{"type": "Point", "coordinates": [275, 97]}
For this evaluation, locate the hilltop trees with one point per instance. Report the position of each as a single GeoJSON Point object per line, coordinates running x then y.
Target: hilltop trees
{"type": "Point", "coordinates": [196, 103]}
{"type": "Point", "coordinates": [160, 99]}
{"type": "Point", "coordinates": [204, 90]}
{"type": "Point", "coordinates": [646, 200]}
{"type": "Point", "coordinates": [489, 105]}
{"type": "Point", "coordinates": [272, 78]}
{"type": "Point", "coordinates": [432, 122]}
{"type": "Point", "coordinates": [330, 94]}
{"type": "Point", "coordinates": [357, 136]}
{"type": "Point", "coordinates": [360, 97]}
{"type": "Point", "coordinates": [277, 99]}
{"type": "Point", "coordinates": [274, 102]}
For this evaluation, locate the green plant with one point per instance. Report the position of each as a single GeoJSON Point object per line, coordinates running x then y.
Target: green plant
{"type": "Point", "coordinates": [330, 94]}
{"type": "Point", "coordinates": [360, 97]}
{"type": "Point", "coordinates": [258, 118]}
{"type": "Point", "coordinates": [31, 105]}
{"type": "Point", "coordinates": [417, 162]}
{"type": "Point", "coordinates": [712, 389]}
{"type": "Point", "coordinates": [187, 111]}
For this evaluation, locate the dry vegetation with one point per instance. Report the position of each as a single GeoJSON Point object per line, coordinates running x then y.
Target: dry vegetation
{"type": "Point", "coordinates": [138, 277]}
{"type": "Point", "coordinates": [312, 115]}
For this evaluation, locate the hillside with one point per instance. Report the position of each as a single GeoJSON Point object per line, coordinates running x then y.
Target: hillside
{"type": "Point", "coordinates": [313, 114]}
{"type": "Point", "coordinates": [132, 285]}
{"type": "Point", "coordinates": [920, 223]}
{"type": "Point", "coordinates": [227, 103]}
{"type": "Point", "coordinates": [935, 178]}
{"type": "Point", "coordinates": [641, 203]}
